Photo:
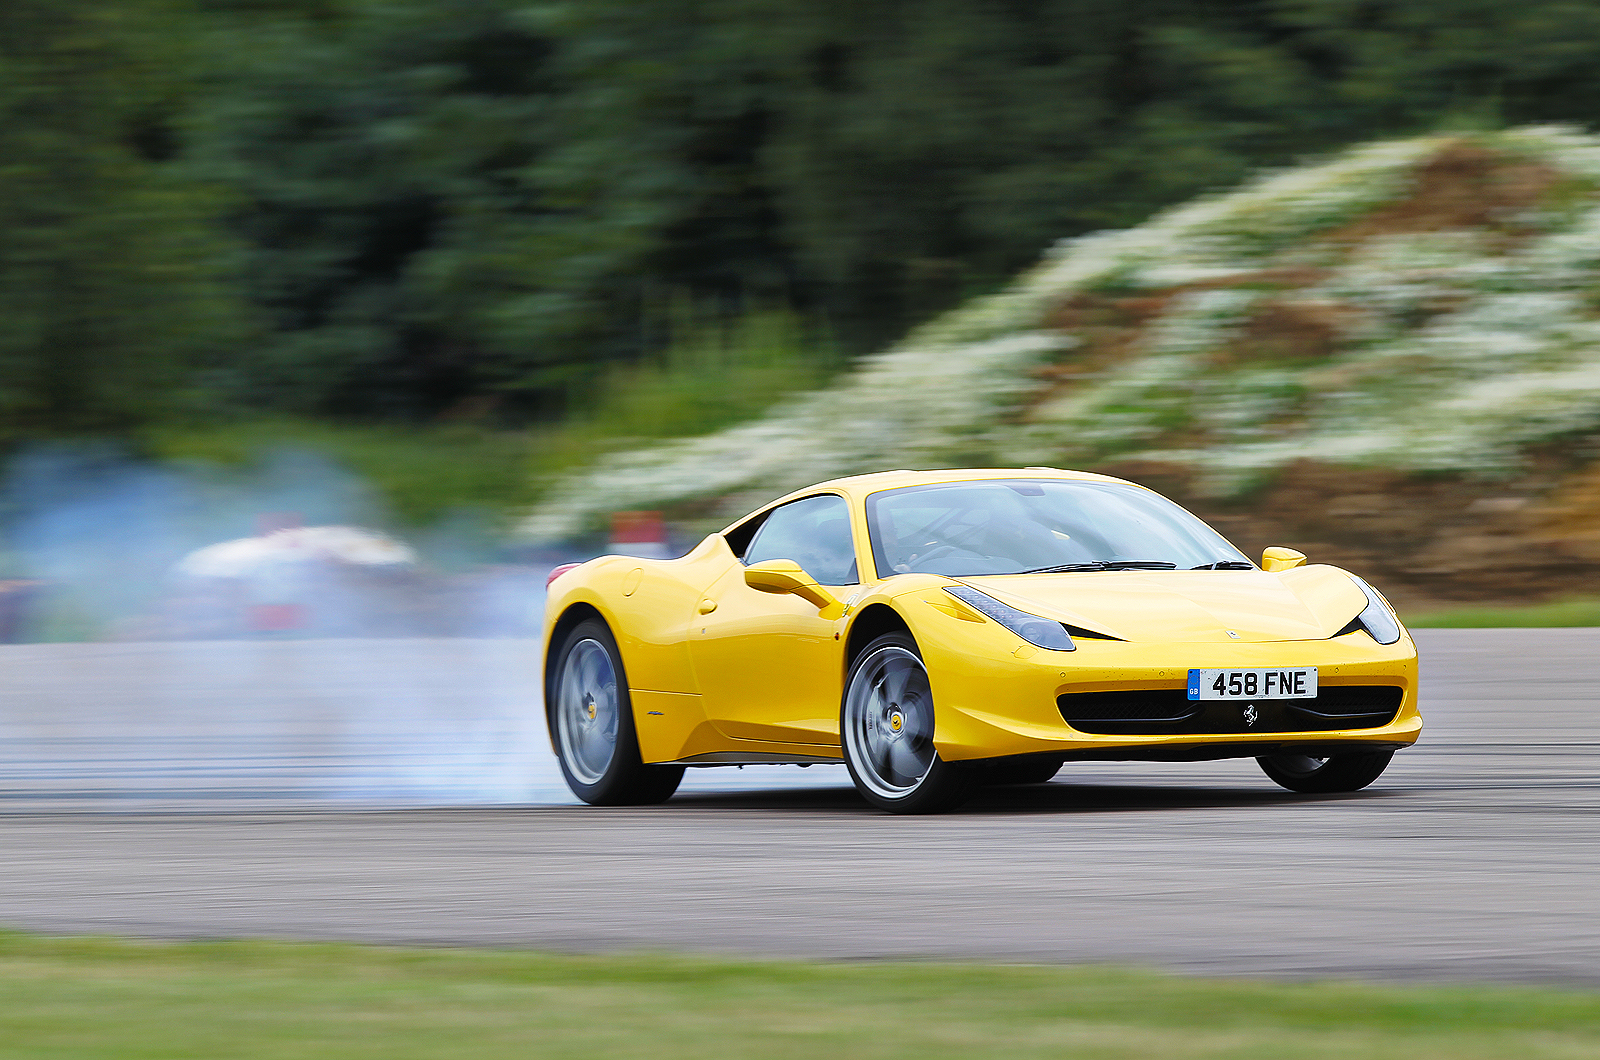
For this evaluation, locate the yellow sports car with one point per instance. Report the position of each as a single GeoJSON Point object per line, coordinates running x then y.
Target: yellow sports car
{"type": "Point", "coordinates": [942, 630]}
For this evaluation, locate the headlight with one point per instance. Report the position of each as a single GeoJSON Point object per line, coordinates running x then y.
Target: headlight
{"type": "Point", "coordinates": [1378, 619]}
{"type": "Point", "coordinates": [1031, 628]}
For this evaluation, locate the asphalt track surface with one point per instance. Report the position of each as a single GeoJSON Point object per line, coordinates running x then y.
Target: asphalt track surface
{"type": "Point", "coordinates": [237, 790]}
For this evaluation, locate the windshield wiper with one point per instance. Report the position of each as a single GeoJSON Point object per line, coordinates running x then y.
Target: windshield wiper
{"type": "Point", "coordinates": [1226, 564]}
{"type": "Point", "coordinates": [1105, 564]}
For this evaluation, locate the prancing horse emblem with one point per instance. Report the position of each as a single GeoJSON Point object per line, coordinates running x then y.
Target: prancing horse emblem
{"type": "Point", "coordinates": [1250, 714]}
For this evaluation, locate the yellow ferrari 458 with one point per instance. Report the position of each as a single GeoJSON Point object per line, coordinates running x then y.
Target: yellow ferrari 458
{"type": "Point", "coordinates": [942, 630]}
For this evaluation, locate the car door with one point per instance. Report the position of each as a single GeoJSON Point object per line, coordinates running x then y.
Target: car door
{"type": "Point", "coordinates": [768, 665]}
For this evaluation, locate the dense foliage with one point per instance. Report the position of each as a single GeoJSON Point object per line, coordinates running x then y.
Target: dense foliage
{"type": "Point", "coordinates": [112, 276]}
{"type": "Point", "coordinates": [422, 207]}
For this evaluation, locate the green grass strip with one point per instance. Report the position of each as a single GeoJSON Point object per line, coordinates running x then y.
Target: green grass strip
{"type": "Point", "coordinates": [1579, 612]}
{"type": "Point", "coordinates": [71, 998]}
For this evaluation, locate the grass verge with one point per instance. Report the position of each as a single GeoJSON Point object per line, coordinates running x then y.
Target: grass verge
{"type": "Point", "coordinates": [1577, 612]}
{"type": "Point", "coordinates": [104, 998]}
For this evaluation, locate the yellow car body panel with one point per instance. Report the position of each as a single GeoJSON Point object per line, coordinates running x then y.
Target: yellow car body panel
{"type": "Point", "coordinates": [1200, 606]}
{"type": "Point", "coordinates": [773, 650]}
{"type": "Point", "coordinates": [721, 672]}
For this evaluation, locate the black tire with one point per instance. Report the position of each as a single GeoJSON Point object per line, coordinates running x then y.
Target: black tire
{"type": "Point", "coordinates": [1321, 776]}
{"type": "Point", "coordinates": [1008, 772]}
{"type": "Point", "coordinates": [864, 731]}
{"type": "Point", "coordinates": [581, 734]}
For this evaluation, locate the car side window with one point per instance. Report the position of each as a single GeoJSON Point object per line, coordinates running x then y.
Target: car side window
{"type": "Point", "coordinates": [815, 533]}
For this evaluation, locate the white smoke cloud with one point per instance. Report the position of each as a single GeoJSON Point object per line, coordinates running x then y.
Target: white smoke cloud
{"type": "Point", "coordinates": [347, 711]}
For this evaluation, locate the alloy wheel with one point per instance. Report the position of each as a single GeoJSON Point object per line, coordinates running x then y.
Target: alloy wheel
{"type": "Point", "coordinates": [586, 711]}
{"type": "Point", "coordinates": [888, 722]}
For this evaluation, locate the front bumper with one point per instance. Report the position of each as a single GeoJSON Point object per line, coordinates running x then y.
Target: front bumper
{"type": "Point", "coordinates": [998, 703]}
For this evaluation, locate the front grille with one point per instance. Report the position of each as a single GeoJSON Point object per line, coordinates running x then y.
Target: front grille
{"type": "Point", "coordinates": [1167, 704]}
{"type": "Point", "coordinates": [1169, 712]}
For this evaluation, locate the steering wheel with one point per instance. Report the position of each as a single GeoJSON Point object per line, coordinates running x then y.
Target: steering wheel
{"type": "Point", "coordinates": [942, 550]}
{"type": "Point", "coordinates": [933, 529]}
{"type": "Point", "coordinates": [960, 535]}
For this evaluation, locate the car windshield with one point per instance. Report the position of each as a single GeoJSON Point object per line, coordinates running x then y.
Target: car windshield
{"type": "Point", "coordinates": [1009, 526]}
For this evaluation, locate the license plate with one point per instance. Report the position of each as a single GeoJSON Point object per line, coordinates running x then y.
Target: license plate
{"type": "Point", "coordinates": [1298, 683]}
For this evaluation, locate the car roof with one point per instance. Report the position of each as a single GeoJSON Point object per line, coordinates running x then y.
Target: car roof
{"type": "Point", "coordinates": [858, 487]}
{"type": "Point", "coordinates": [861, 485]}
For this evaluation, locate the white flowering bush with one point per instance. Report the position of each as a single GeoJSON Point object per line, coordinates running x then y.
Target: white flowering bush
{"type": "Point", "coordinates": [909, 407]}
{"type": "Point", "coordinates": [1449, 349]}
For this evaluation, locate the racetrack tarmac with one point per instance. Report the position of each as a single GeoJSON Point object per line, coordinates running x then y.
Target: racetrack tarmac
{"type": "Point", "coordinates": [1476, 857]}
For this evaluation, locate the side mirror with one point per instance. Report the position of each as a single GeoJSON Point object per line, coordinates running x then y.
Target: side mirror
{"type": "Point", "coordinates": [787, 576]}
{"type": "Point", "coordinates": [1279, 558]}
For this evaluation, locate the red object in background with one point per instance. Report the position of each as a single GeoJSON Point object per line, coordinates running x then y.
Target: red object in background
{"type": "Point", "coordinates": [634, 528]}
{"type": "Point", "coordinates": [556, 572]}
{"type": "Point", "coordinates": [272, 522]}
{"type": "Point", "coordinates": [276, 618]}
{"type": "Point", "coordinates": [640, 534]}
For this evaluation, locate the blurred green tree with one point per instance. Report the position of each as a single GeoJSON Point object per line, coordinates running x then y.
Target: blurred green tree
{"type": "Point", "coordinates": [380, 151]}
{"type": "Point", "coordinates": [113, 281]}
{"type": "Point", "coordinates": [450, 203]}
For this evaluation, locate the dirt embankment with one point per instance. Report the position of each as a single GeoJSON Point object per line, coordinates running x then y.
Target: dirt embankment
{"type": "Point", "coordinates": [1427, 310]}
{"type": "Point", "coordinates": [1425, 540]}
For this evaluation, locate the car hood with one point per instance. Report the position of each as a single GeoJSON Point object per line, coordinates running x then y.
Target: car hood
{"type": "Point", "coordinates": [1305, 603]}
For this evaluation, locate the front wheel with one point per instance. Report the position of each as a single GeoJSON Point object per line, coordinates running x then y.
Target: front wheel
{"type": "Point", "coordinates": [886, 729]}
{"type": "Point", "coordinates": [1321, 776]}
{"type": "Point", "coordinates": [591, 725]}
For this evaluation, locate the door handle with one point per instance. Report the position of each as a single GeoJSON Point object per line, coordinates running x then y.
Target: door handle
{"type": "Point", "coordinates": [707, 606]}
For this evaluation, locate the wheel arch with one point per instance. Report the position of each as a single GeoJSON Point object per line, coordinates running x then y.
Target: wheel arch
{"type": "Point", "coordinates": [873, 622]}
{"type": "Point", "coordinates": [941, 786]}
{"type": "Point", "coordinates": [568, 620]}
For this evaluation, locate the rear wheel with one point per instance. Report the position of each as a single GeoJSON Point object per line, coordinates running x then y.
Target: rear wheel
{"type": "Point", "coordinates": [1317, 776]}
{"type": "Point", "coordinates": [886, 728]}
{"type": "Point", "coordinates": [591, 722]}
